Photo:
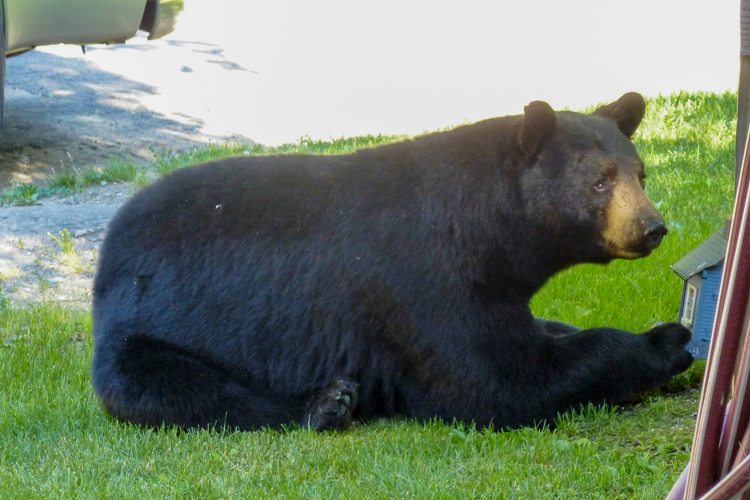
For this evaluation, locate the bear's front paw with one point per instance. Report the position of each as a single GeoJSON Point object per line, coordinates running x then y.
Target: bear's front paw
{"type": "Point", "coordinates": [669, 340]}
{"type": "Point", "coordinates": [331, 409]}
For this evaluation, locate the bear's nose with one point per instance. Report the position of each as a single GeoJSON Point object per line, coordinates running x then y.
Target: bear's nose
{"type": "Point", "coordinates": [656, 229]}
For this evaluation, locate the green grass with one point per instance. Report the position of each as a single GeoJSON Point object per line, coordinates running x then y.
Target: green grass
{"type": "Point", "coordinates": [166, 160]}
{"type": "Point", "coordinates": [56, 442]}
{"type": "Point", "coordinates": [70, 180]}
{"type": "Point", "coordinates": [69, 255]}
{"type": "Point", "coordinates": [116, 170]}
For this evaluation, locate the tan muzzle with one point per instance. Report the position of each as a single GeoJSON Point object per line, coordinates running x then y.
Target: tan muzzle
{"type": "Point", "coordinates": [634, 228]}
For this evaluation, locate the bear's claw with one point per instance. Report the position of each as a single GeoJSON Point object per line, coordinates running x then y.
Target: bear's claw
{"type": "Point", "coordinates": [331, 409]}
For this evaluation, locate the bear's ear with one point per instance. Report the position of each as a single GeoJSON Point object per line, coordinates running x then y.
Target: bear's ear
{"type": "Point", "coordinates": [537, 126]}
{"type": "Point", "coordinates": [627, 112]}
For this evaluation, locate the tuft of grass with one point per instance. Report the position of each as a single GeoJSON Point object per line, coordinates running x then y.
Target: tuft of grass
{"type": "Point", "coordinates": [55, 441]}
{"type": "Point", "coordinates": [69, 255]}
{"type": "Point", "coordinates": [70, 180]}
{"type": "Point", "coordinates": [116, 171]}
{"type": "Point", "coordinates": [42, 283]}
{"type": "Point", "coordinates": [67, 179]}
{"type": "Point", "coordinates": [25, 194]}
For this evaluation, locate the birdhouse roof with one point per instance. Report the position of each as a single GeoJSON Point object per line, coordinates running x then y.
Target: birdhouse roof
{"type": "Point", "coordinates": [709, 253]}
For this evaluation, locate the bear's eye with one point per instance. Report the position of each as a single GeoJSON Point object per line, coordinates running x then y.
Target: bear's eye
{"type": "Point", "coordinates": [600, 186]}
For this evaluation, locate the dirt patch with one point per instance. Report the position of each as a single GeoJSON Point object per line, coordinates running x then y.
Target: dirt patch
{"type": "Point", "coordinates": [48, 251]}
{"type": "Point", "coordinates": [64, 110]}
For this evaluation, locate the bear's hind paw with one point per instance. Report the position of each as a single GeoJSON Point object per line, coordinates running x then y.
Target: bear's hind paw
{"type": "Point", "coordinates": [331, 409]}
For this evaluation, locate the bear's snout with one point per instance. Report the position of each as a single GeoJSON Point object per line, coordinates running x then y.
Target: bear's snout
{"type": "Point", "coordinates": [633, 226]}
{"type": "Point", "coordinates": [655, 230]}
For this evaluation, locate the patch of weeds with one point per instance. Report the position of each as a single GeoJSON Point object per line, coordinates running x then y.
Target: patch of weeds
{"type": "Point", "coordinates": [65, 241]}
{"type": "Point", "coordinates": [119, 171]}
{"type": "Point", "coordinates": [92, 177]}
{"type": "Point", "coordinates": [164, 160]}
{"type": "Point", "coordinates": [26, 194]}
{"type": "Point", "coordinates": [21, 244]}
{"type": "Point", "coordinates": [70, 180]}
{"type": "Point", "coordinates": [70, 255]}
{"type": "Point", "coordinates": [141, 178]}
{"type": "Point", "coordinates": [116, 171]}
{"type": "Point", "coordinates": [67, 179]}
{"type": "Point", "coordinates": [42, 283]}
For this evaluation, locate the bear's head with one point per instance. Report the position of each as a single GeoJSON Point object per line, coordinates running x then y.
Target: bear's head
{"type": "Point", "coordinates": [583, 181]}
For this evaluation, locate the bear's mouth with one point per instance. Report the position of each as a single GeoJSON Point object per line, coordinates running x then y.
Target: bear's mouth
{"type": "Point", "coordinates": [631, 255]}
{"type": "Point", "coordinates": [618, 252]}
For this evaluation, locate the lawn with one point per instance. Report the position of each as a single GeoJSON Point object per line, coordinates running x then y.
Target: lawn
{"type": "Point", "coordinates": [56, 442]}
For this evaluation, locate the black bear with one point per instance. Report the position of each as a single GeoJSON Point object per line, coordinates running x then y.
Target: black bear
{"type": "Point", "coordinates": [260, 291]}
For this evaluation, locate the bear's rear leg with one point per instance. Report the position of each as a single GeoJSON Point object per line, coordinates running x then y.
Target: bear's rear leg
{"type": "Point", "coordinates": [150, 382]}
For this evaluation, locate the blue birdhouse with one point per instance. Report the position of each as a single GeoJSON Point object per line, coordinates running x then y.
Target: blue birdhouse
{"type": "Point", "coordinates": [701, 270]}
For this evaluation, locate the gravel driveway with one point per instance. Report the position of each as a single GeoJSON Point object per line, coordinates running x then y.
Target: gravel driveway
{"type": "Point", "coordinates": [35, 265]}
